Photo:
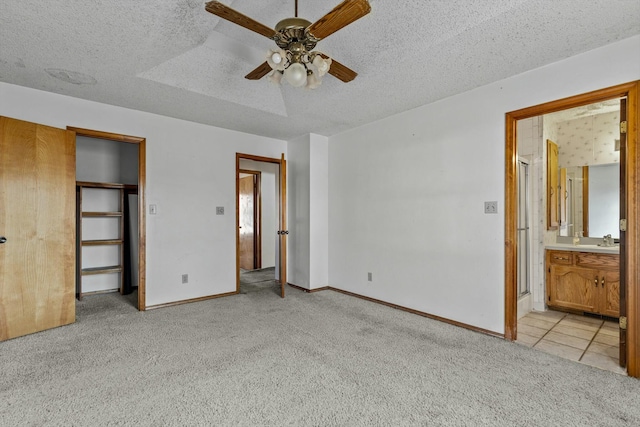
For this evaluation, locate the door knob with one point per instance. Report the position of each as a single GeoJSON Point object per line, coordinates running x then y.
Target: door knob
{"type": "Point", "coordinates": [2, 239]}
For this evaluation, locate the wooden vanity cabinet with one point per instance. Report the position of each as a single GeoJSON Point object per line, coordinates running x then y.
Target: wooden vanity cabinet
{"type": "Point", "coordinates": [584, 281]}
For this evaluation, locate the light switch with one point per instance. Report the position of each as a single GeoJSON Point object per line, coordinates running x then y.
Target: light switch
{"type": "Point", "coordinates": [153, 209]}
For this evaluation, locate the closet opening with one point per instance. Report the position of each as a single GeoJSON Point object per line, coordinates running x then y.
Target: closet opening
{"type": "Point", "coordinates": [110, 232]}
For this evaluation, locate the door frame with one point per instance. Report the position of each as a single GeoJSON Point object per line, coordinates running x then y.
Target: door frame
{"type": "Point", "coordinates": [142, 174]}
{"type": "Point", "coordinates": [257, 219]}
{"type": "Point", "coordinates": [282, 204]}
{"type": "Point", "coordinates": [632, 249]}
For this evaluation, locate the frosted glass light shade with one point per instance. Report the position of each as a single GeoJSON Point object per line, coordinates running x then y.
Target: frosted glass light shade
{"type": "Point", "coordinates": [322, 65]}
{"type": "Point", "coordinates": [313, 81]}
{"type": "Point", "coordinates": [296, 75]}
{"type": "Point", "coordinates": [276, 59]}
{"type": "Point", "coordinates": [275, 77]}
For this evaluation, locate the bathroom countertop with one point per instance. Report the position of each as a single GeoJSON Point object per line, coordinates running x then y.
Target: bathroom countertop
{"type": "Point", "coordinates": [585, 248]}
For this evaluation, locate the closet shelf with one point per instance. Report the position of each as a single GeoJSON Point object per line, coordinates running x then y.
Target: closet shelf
{"type": "Point", "coordinates": [106, 185]}
{"type": "Point", "coordinates": [101, 270]}
{"type": "Point", "coordinates": [102, 242]}
{"type": "Point", "coordinates": [100, 214]}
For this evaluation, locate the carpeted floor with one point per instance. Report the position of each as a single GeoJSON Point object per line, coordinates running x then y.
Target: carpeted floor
{"type": "Point", "coordinates": [309, 359]}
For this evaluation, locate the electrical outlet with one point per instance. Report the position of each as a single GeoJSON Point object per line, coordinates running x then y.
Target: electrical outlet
{"type": "Point", "coordinates": [185, 278]}
{"type": "Point", "coordinates": [491, 207]}
{"type": "Point", "coordinates": [220, 210]}
{"type": "Point", "coordinates": [370, 277]}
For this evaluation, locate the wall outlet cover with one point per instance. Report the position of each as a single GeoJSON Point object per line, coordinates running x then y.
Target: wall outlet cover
{"type": "Point", "coordinates": [185, 278]}
{"type": "Point", "coordinates": [220, 210]}
{"type": "Point", "coordinates": [491, 207]}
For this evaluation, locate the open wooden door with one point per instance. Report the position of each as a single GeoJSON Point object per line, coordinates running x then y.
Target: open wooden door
{"type": "Point", "coordinates": [283, 225]}
{"type": "Point", "coordinates": [37, 222]}
{"type": "Point", "coordinates": [623, 234]}
{"type": "Point", "coordinates": [247, 189]}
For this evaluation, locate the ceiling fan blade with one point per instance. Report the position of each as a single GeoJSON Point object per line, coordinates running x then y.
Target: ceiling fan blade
{"type": "Point", "coordinates": [339, 71]}
{"type": "Point", "coordinates": [231, 15]}
{"type": "Point", "coordinates": [342, 15]}
{"type": "Point", "coordinates": [262, 70]}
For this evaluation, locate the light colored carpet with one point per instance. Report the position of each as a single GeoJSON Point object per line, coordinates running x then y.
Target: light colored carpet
{"type": "Point", "coordinates": [310, 359]}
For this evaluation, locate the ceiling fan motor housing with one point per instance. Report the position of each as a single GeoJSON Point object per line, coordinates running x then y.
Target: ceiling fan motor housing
{"type": "Point", "coordinates": [293, 30]}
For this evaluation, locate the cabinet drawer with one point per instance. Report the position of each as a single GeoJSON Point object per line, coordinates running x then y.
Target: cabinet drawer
{"type": "Point", "coordinates": [605, 261]}
{"type": "Point", "coordinates": [560, 257]}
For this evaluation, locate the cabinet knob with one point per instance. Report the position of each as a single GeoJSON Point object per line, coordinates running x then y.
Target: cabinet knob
{"type": "Point", "coordinates": [596, 280]}
{"type": "Point", "coordinates": [602, 281]}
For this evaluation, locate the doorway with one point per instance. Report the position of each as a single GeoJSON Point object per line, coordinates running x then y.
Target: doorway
{"type": "Point", "coordinates": [250, 227]}
{"type": "Point", "coordinates": [629, 239]}
{"type": "Point", "coordinates": [122, 215]}
{"type": "Point", "coordinates": [261, 235]}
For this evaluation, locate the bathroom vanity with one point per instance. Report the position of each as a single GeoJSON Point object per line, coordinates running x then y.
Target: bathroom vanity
{"type": "Point", "coordinates": [583, 278]}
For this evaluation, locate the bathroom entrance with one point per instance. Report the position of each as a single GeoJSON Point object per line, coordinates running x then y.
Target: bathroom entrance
{"type": "Point", "coordinates": [549, 262]}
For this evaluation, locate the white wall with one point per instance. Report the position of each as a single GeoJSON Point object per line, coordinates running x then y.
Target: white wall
{"type": "Point", "coordinates": [308, 194]}
{"type": "Point", "coordinates": [270, 195]}
{"type": "Point", "coordinates": [190, 171]}
{"type": "Point", "coordinates": [406, 193]}
{"type": "Point", "coordinates": [298, 211]}
{"type": "Point", "coordinates": [319, 210]}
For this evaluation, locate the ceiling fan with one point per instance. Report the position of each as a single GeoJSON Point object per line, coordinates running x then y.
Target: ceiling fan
{"type": "Point", "coordinates": [294, 59]}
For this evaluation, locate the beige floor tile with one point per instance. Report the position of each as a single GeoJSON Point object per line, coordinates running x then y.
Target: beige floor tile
{"type": "Point", "coordinates": [606, 350]}
{"type": "Point", "coordinates": [531, 330]}
{"type": "Point", "coordinates": [602, 362]}
{"type": "Point", "coordinates": [527, 340]}
{"type": "Point", "coordinates": [575, 342]}
{"type": "Point", "coordinates": [572, 323]}
{"type": "Point", "coordinates": [607, 339]}
{"type": "Point", "coordinates": [609, 331]}
{"type": "Point", "coordinates": [584, 319]}
{"type": "Point", "coordinates": [538, 323]}
{"type": "Point", "coordinates": [549, 315]}
{"type": "Point", "coordinates": [574, 332]}
{"type": "Point", "coordinates": [608, 324]}
{"type": "Point", "coordinates": [561, 350]}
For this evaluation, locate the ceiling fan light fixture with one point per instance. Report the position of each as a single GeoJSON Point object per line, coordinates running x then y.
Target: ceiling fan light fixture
{"type": "Point", "coordinates": [277, 59]}
{"type": "Point", "coordinates": [313, 81]}
{"type": "Point", "coordinates": [296, 74]}
{"type": "Point", "coordinates": [275, 77]}
{"type": "Point", "coordinates": [321, 64]}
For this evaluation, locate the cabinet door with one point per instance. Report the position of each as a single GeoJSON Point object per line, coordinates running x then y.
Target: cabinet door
{"type": "Point", "coordinates": [610, 293]}
{"type": "Point", "coordinates": [573, 287]}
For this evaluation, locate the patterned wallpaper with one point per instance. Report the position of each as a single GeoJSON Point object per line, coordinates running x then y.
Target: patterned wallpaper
{"type": "Point", "coordinates": [588, 140]}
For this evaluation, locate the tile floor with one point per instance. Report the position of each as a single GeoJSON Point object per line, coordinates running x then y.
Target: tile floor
{"type": "Point", "coordinates": [583, 339]}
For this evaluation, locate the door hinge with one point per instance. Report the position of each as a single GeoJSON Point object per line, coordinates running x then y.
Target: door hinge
{"type": "Point", "coordinates": [623, 127]}
{"type": "Point", "coordinates": [623, 225]}
{"type": "Point", "coordinates": [623, 322]}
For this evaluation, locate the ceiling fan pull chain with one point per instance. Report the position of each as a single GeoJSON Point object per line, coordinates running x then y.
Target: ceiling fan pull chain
{"type": "Point", "coordinates": [296, 15]}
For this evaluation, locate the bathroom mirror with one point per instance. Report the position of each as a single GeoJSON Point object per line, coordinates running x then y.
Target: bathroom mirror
{"type": "Point", "coordinates": [591, 201]}
{"type": "Point", "coordinates": [583, 170]}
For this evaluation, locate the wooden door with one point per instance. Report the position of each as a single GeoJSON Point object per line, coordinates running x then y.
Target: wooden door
{"type": "Point", "coordinates": [623, 234]}
{"type": "Point", "coordinates": [247, 223]}
{"type": "Point", "coordinates": [574, 287]}
{"type": "Point", "coordinates": [37, 218]}
{"type": "Point", "coordinates": [283, 225]}
{"type": "Point", "coordinates": [552, 185]}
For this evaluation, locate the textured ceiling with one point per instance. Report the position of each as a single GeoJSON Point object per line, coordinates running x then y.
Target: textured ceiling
{"type": "Point", "coordinates": [171, 57]}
